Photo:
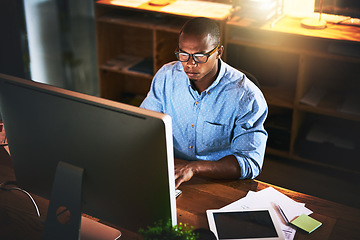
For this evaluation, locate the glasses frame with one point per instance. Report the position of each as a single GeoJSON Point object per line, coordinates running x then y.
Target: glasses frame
{"type": "Point", "coordinates": [208, 54]}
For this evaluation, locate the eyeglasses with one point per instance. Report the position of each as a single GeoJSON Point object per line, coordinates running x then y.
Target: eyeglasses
{"type": "Point", "coordinates": [198, 57]}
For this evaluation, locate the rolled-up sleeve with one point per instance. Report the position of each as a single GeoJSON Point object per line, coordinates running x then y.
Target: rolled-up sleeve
{"type": "Point", "coordinates": [249, 136]}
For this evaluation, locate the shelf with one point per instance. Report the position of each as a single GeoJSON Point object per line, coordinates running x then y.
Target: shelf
{"type": "Point", "coordinates": [329, 87]}
{"type": "Point", "coordinates": [330, 166]}
{"type": "Point", "coordinates": [141, 20]}
{"type": "Point", "coordinates": [336, 42]}
{"type": "Point", "coordinates": [328, 140]}
{"type": "Point", "coordinates": [332, 104]}
{"type": "Point", "coordinates": [115, 85]}
{"type": "Point", "coordinates": [329, 112]}
{"type": "Point", "coordinates": [217, 11]}
{"type": "Point", "coordinates": [134, 21]}
{"type": "Point", "coordinates": [294, 157]}
{"type": "Point", "coordinates": [125, 64]}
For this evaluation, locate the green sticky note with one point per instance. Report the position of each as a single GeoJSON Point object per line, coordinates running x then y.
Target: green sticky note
{"type": "Point", "coordinates": [306, 223]}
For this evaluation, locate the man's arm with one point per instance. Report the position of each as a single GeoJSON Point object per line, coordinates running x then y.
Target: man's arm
{"type": "Point", "coordinates": [225, 168]}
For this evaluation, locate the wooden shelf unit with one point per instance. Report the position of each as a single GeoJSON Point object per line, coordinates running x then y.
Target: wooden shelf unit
{"type": "Point", "coordinates": [290, 63]}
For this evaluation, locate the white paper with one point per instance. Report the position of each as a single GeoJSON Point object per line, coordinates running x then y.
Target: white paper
{"type": "Point", "coordinates": [313, 96]}
{"type": "Point", "coordinates": [129, 3]}
{"type": "Point", "coordinates": [199, 8]}
{"type": "Point", "coordinates": [351, 105]}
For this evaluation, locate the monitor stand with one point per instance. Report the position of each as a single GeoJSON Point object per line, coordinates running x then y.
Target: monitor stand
{"type": "Point", "coordinates": [93, 230]}
{"type": "Point", "coordinates": [66, 194]}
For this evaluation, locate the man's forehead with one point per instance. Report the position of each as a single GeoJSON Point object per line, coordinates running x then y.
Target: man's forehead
{"type": "Point", "coordinates": [200, 42]}
{"type": "Point", "coordinates": [195, 37]}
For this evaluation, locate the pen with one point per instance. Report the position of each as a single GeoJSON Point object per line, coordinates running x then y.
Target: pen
{"type": "Point", "coordinates": [282, 214]}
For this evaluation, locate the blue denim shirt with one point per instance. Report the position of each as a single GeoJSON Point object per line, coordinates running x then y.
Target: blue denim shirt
{"type": "Point", "coordinates": [225, 119]}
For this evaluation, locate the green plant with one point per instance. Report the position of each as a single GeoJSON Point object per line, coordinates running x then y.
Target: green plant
{"type": "Point", "coordinates": [165, 231]}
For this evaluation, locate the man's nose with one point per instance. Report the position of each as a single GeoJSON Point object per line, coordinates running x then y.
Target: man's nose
{"type": "Point", "coordinates": [191, 61]}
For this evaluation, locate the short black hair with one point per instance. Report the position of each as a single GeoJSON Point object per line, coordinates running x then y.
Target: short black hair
{"type": "Point", "coordinates": [202, 26]}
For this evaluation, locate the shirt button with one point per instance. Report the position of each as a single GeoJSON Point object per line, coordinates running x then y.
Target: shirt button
{"type": "Point", "coordinates": [191, 147]}
{"type": "Point", "coordinates": [196, 102]}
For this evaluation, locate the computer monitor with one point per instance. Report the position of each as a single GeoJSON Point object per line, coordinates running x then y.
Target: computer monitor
{"type": "Point", "coordinates": [119, 157]}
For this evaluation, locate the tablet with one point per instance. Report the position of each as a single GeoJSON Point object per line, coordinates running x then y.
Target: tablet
{"type": "Point", "coordinates": [249, 224]}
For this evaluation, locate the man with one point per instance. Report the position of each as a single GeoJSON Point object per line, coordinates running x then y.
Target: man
{"type": "Point", "coordinates": [217, 112]}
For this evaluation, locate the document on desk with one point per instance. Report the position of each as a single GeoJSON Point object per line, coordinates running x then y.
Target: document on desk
{"type": "Point", "coordinates": [270, 198]}
{"type": "Point", "coordinates": [129, 3]}
{"type": "Point", "coordinates": [199, 8]}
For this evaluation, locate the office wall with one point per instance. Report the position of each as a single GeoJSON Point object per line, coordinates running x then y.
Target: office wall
{"type": "Point", "coordinates": [13, 54]}
{"type": "Point", "coordinates": [61, 36]}
{"type": "Point", "coordinates": [12, 44]}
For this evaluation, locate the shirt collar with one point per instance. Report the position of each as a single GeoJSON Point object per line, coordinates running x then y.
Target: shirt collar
{"type": "Point", "coordinates": [220, 75]}
{"type": "Point", "coordinates": [217, 80]}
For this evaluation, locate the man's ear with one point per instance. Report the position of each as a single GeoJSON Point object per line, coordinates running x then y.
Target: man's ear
{"type": "Point", "coordinates": [220, 51]}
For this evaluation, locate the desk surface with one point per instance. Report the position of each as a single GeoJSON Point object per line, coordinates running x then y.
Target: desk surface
{"type": "Point", "coordinates": [18, 219]}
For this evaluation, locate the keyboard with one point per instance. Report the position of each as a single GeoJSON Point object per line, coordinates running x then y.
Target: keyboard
{"type": "Point", "coordinates": [177, 192]}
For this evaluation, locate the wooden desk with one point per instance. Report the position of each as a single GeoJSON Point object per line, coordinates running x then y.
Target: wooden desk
{"type": "Point", "coordinates": [18, 219]}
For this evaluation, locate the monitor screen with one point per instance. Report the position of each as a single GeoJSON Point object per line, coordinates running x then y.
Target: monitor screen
{"type": "Point", "coordinates": [350, 8]}
{"type": "Point", "coordinates": [125, 152]}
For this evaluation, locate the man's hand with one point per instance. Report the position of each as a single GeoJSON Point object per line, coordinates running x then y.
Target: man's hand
{"type": "Point", "coordinates": [184, 171]}
{"type": "Point", "coordinates": [225, 168]}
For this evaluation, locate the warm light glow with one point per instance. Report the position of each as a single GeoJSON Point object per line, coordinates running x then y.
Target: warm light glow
{"type": "Point", "coordinates": [299, 8]}
{"type": "Point", "coordinates": [264, 5]}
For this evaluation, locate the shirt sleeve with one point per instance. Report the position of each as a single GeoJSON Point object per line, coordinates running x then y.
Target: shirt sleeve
{"type": "Point", "coordinates": [155, 98]}
{"type": "Point", "coordinates": [249, 140]}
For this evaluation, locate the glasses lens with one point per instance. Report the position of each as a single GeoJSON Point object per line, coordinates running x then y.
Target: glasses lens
{"type": "Point", "coordinates": [200, 58]}
{"type": "Point", "coordinates": [183, 57]}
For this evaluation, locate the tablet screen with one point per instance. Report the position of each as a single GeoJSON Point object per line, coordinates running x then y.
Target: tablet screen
{"type": "Point", "coordinates": [254, 224]}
